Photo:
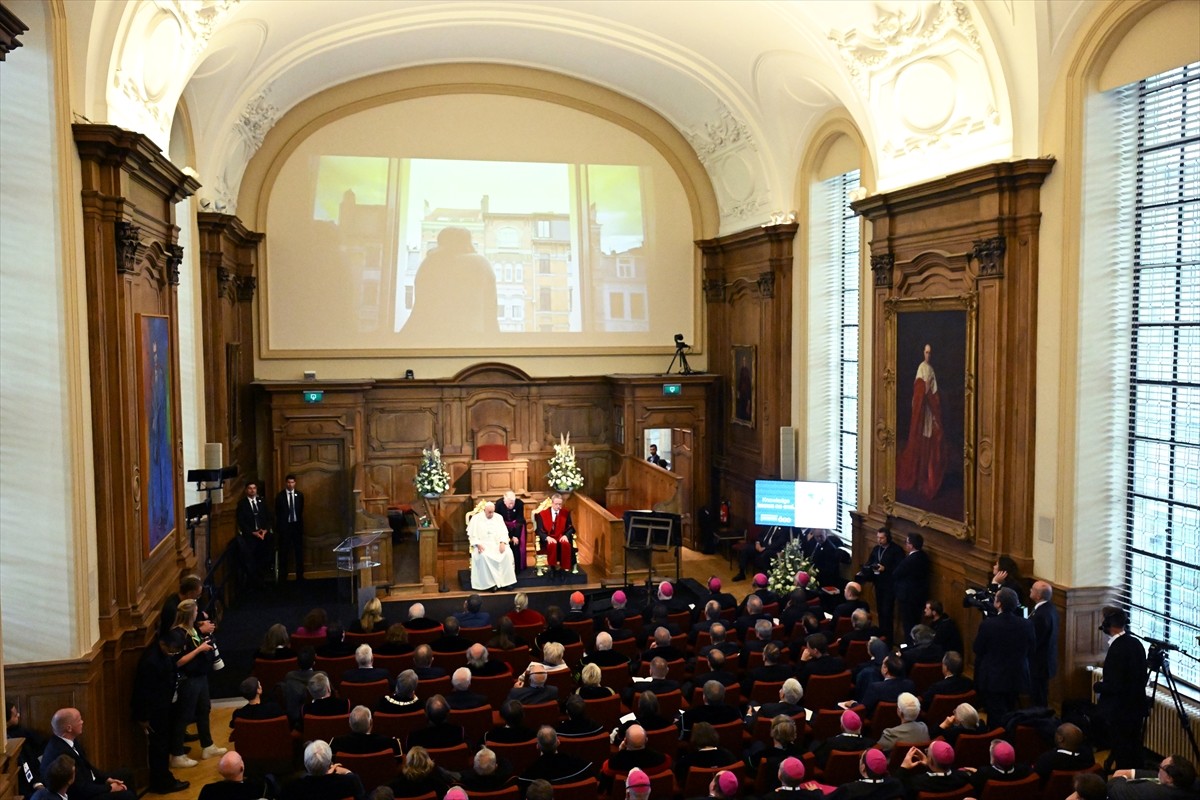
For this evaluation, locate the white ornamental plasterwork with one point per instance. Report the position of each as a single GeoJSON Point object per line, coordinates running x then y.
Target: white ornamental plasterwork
{"type": "Point", "coordinates": [712, 139]}
{"type": "Point", "coordinates": [943, 139]}
{"type": "Point", "coordinates": [897, 35]}
{"type": "Point", "coordinates": [198, 17]}
{"type": "Point", "coordinates": [153, 118]}
{"type": "Point", "coordinates": [258, 117]}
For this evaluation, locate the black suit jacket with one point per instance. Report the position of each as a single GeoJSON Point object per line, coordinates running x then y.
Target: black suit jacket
{"type": "Point", "coordinates": [1002, 649]}
{"type": "Point", "coordinates": [889, 556]}
{"type": "Point", "coordinates": [250, 520]}
{"type": "Point", "coordinates": [1043, 661]}
{"type": "Point", "coordinates": [281, 509]}
{"type": "Point", "coordinates": [90, 781]}
{"type": "Point", "coordinates": [912, 578]}
{"type": "Point", "coordinates": [1123, 690]}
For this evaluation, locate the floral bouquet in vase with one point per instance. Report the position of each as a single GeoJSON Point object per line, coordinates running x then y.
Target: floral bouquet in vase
{"type": "Point", "coordinates": [791, 559]}
{"type": "Point", "coordinates": [432, 477]}
{"type": "Point", "coordinates": [564, 474]}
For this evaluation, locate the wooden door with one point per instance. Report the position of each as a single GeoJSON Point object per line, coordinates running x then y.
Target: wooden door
{"type": "Point", "coordinates": [682, 464]}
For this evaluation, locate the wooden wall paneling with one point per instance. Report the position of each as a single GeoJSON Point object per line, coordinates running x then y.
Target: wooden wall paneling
{"type": "Point", "coordinates": [228, 264]}
{"type": "Point", "coordinates": [132, 261]}
{"type": "Point", "coordinates": [748, 291]}
{"type": "Point", "coordinates": [970, 235]}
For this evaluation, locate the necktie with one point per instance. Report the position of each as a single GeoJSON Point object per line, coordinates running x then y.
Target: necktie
{"type": "Point", "coordinates": [291, 507]}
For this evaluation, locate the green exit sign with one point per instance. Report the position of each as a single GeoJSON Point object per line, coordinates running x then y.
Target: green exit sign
{"type": "Point", "coordinates": [672, 389]}
{"type": "Point", "coordinates": [313, 396]}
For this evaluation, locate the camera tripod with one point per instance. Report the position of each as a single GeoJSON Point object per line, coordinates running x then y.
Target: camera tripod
{"type": "Point", "coordinates": [680, 356]}
{"type": "Point", "coordinates": [1160, 665]}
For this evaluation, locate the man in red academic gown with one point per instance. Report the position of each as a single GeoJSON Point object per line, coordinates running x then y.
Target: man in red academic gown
{"type": "Point", "coordinates": [555, 534]}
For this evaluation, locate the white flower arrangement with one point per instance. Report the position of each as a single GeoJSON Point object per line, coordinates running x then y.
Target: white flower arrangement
{"type": "Point", "coordinates": [564, 473]}
{"type": "Point", "coordinates": [791, 559]}
{"type": "Point", "coordinates": [432, 477]}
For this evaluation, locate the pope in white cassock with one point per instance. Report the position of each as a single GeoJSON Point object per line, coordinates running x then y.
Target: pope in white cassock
{"type": "Point", "coordinates": [491, 563]}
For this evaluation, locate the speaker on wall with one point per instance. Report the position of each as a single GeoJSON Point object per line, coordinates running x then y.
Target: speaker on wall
{"type": "Point", "coordinates": [787, 453]}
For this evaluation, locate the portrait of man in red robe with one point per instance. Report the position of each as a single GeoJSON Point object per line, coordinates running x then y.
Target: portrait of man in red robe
{"type": "Point", "coordinates": [929, 411]}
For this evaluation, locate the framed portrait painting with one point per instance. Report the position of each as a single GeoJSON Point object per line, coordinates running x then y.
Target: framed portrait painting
{"type": "Point", "coordinates": [744, 384]}
{"type": "Point", "coordinates": [931, 349]}
{"type": "Point", "coordinates": [157, 448]}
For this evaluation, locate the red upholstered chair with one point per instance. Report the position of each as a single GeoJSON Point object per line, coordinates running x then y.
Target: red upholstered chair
{"type": "Point", "coordinates": [844, 626]}
{"type": "Point", "coordinates": [474, 721]}
{"type": "Point", "coordinates": [605, 710]}
{"type": "Point", "coordinates": [1061, 782]}
{"type": "Point", "coordinates": [271, 672]}
{"type": "Point", "coordinates": [427, 689]}
{"type": "Point", "coordinates": [669, 703]}
{"type": "Point", "coordinates": [539, 714]}
{"type": "Point", "coordinates": [943, 705]}
{"type": "Point", "coordinates": [516, 658]}
{"type": "Point", "coordinates": [627, 648]}
{"type": "Point", "coordinates": [971, 749]}
{"type": "Point", "coordinates": [698, 779]}
{"type": "Point", "coordinates": [765, 692]}
{"type": "Point", "coordinates": [520, 754]}
{"type": "Point", "coordinates": [334, 667]}
{"type": "Point", "coordinates": [398, 726]}
{"type": "Point", "coordinates": [507, 793]}
{"type": "Point", "coordinates": [856, 653]}
{"type": "Point", "coordinates": [394, 664]}
{"type": "Point", "coordinates": [682, 619]}
{"type": "Point", "coordinates": [957, 794]}
{"type": "Point", "coordinates": [842, 767]}
{"type": "Point", "coordinates": [589, 748]}
{"type": "Point", "coordinates": [573, 654]}
{"type": "Point", "coordinates": [455, 758]}
{"type": "Point", "coordinates": [1029, 743]}
{"type": "Point", "coordinates": [588, 787]}
{"type": "Point", "coordinates": [826, 691]}
{"type": "Point", "coordinates": [563, 680]}
{"type": "Point", "coordinates": [424, 636]}
{"type": "Point", "coordinates": [373, 769]}
{"type": "Point", "coordinates": [826, 723]}
{"type": "Point", "coordinates": [374, 638]}
{"type": "Point", "coordinates": [364, 694]}
{"type": "Point", "coordinates": [492, 452]}
{"type": "Point", "coordinates": [313, 727]}
{"type": "Point", "coordinates": [676, 670]}
{"type": "Point", "coordinates": [730, 734]}
{"type": "Point", "coordinates": [266, 745]}
{"type": "Point", "coordinates": [616, 678]}
{"type": "Point", "coordinates": [586, 629]}
{"type": "Point", "coordinates": [529, 632]}
{"type": "Point", "coordinates": [1011, 790]}
{"type": "Point", "coordinates": [494, 687]}
{"type": "Point", "coordinates": [478, 635]}
{"type": "Point", "coordinates": [925, 675]}
{"type": "Point", "coordinates": [885, 716]}
{"type": "Point", "coordinates": [299, 641]}
{"type": "Point", "coordinates": [664, 740]}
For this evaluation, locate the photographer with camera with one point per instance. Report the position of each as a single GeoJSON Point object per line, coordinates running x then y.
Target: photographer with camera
{"type": "Point", "coordinates": [1002, 649]}
{"type": "Point", "coordinates": [1122, 691]}
{"type": "Point", "coordinates": [197, 659]}
{"type": "Point", "coordinates": [879, 570]}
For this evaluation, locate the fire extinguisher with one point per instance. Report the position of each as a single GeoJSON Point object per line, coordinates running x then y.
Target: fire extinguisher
{"type": "Point", "coordinates": [724, 512]}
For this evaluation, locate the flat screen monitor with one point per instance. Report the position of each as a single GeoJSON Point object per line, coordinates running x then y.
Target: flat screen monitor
{"type": "Point", "coordinates": [796, 504]}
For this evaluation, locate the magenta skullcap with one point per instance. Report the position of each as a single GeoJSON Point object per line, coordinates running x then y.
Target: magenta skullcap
{"type": "Point", "coordinates": [793, 768]}
{"type": "Point", "coordinates": [714, 584]}
{"type": "Point", "coordinates": [637, 779]}
{"type": "Point", "coordinates": [618, 596]}
{"type": "Point", "coordinates": [802, 578]}
{"type": "Point", "coordinates": [851, 721]}
{"type": "Point", "coordinates": [577, 598]}
{"type": "Point", "coordinates": [666, 589]}
{"type": "Point", "coordinates": [875, 760]}
{"type": "Point", "coordinates": [728, 783]}
{"type": "Point", "coordinates": [456, 793]}
{"type": "Point", "coordinates": [760, 579]}
{"type": "Point", "coordinates": [942, 752]}
{"type": "Point", "coordinates": [1003, 755]}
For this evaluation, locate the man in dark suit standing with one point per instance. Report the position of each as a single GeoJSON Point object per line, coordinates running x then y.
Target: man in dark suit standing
{"type": "Point", "coordinates": [1043, 661]}
{"type": "Point", "coordinates": [90, 782]}
{"type": "Point", "coordinates": [512, 510]}
{"type": "Point", "coordinates": [1002, 649]}
{"type": "Point", "coordinates": [254, 530]}
{"type": "Point", "coordinates": [912, 583]}
{"type": "Point", "coordinates": [289, 524]}
{"type": "Point", "coordinates": [1123, 690]}
{"type": "Point", "coordinates": [880, 569]}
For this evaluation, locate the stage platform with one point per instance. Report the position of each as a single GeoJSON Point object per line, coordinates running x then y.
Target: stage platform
{"type": "Point", "coordinates": [528, 579]}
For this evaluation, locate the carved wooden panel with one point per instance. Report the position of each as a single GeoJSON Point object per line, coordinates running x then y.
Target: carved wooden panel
{"type": "Point", "coordinates": [393, 430]}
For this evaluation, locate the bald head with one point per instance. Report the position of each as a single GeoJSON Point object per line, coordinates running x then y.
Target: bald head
{"type": "Point", "coordinates": [537, 675]}
{"type": "Point", "coordinates": [231, 767]}
{"type": "Point", "coordinates": [635, 738]}
{"type": "Point", "coordinates": [416, 611]}
{"type": "Point", "coordinates": [604, 641]}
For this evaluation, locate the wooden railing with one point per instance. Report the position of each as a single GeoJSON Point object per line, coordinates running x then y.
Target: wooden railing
{"type": "Point", "coordinates": [643, 486]}
{"type": "Point", "coordinates": [599, 537]}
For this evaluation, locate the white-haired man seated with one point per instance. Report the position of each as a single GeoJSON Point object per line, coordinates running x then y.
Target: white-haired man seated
{"type": "Point", "coordinates": [491, 561]}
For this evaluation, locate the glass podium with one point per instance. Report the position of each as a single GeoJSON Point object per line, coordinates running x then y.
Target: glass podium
{"type": "Point", "coordinates": [360, 558]}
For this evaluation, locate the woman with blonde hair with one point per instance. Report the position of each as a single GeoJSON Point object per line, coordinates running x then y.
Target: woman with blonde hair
{"type": "Point", "coordinates": [419, 775]}
{"type": "Point", "coordinates": [194, 663]}
{"type": "Point", "coordinates": [552, 657]}
{"type": "Point", "coordinates": [372, 618]}
{"type": "Point", "coordinates": [590, 688]}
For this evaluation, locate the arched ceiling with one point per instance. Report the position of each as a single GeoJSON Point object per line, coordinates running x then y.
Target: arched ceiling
{"type": "Point", "coordinates": [745, 82]}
